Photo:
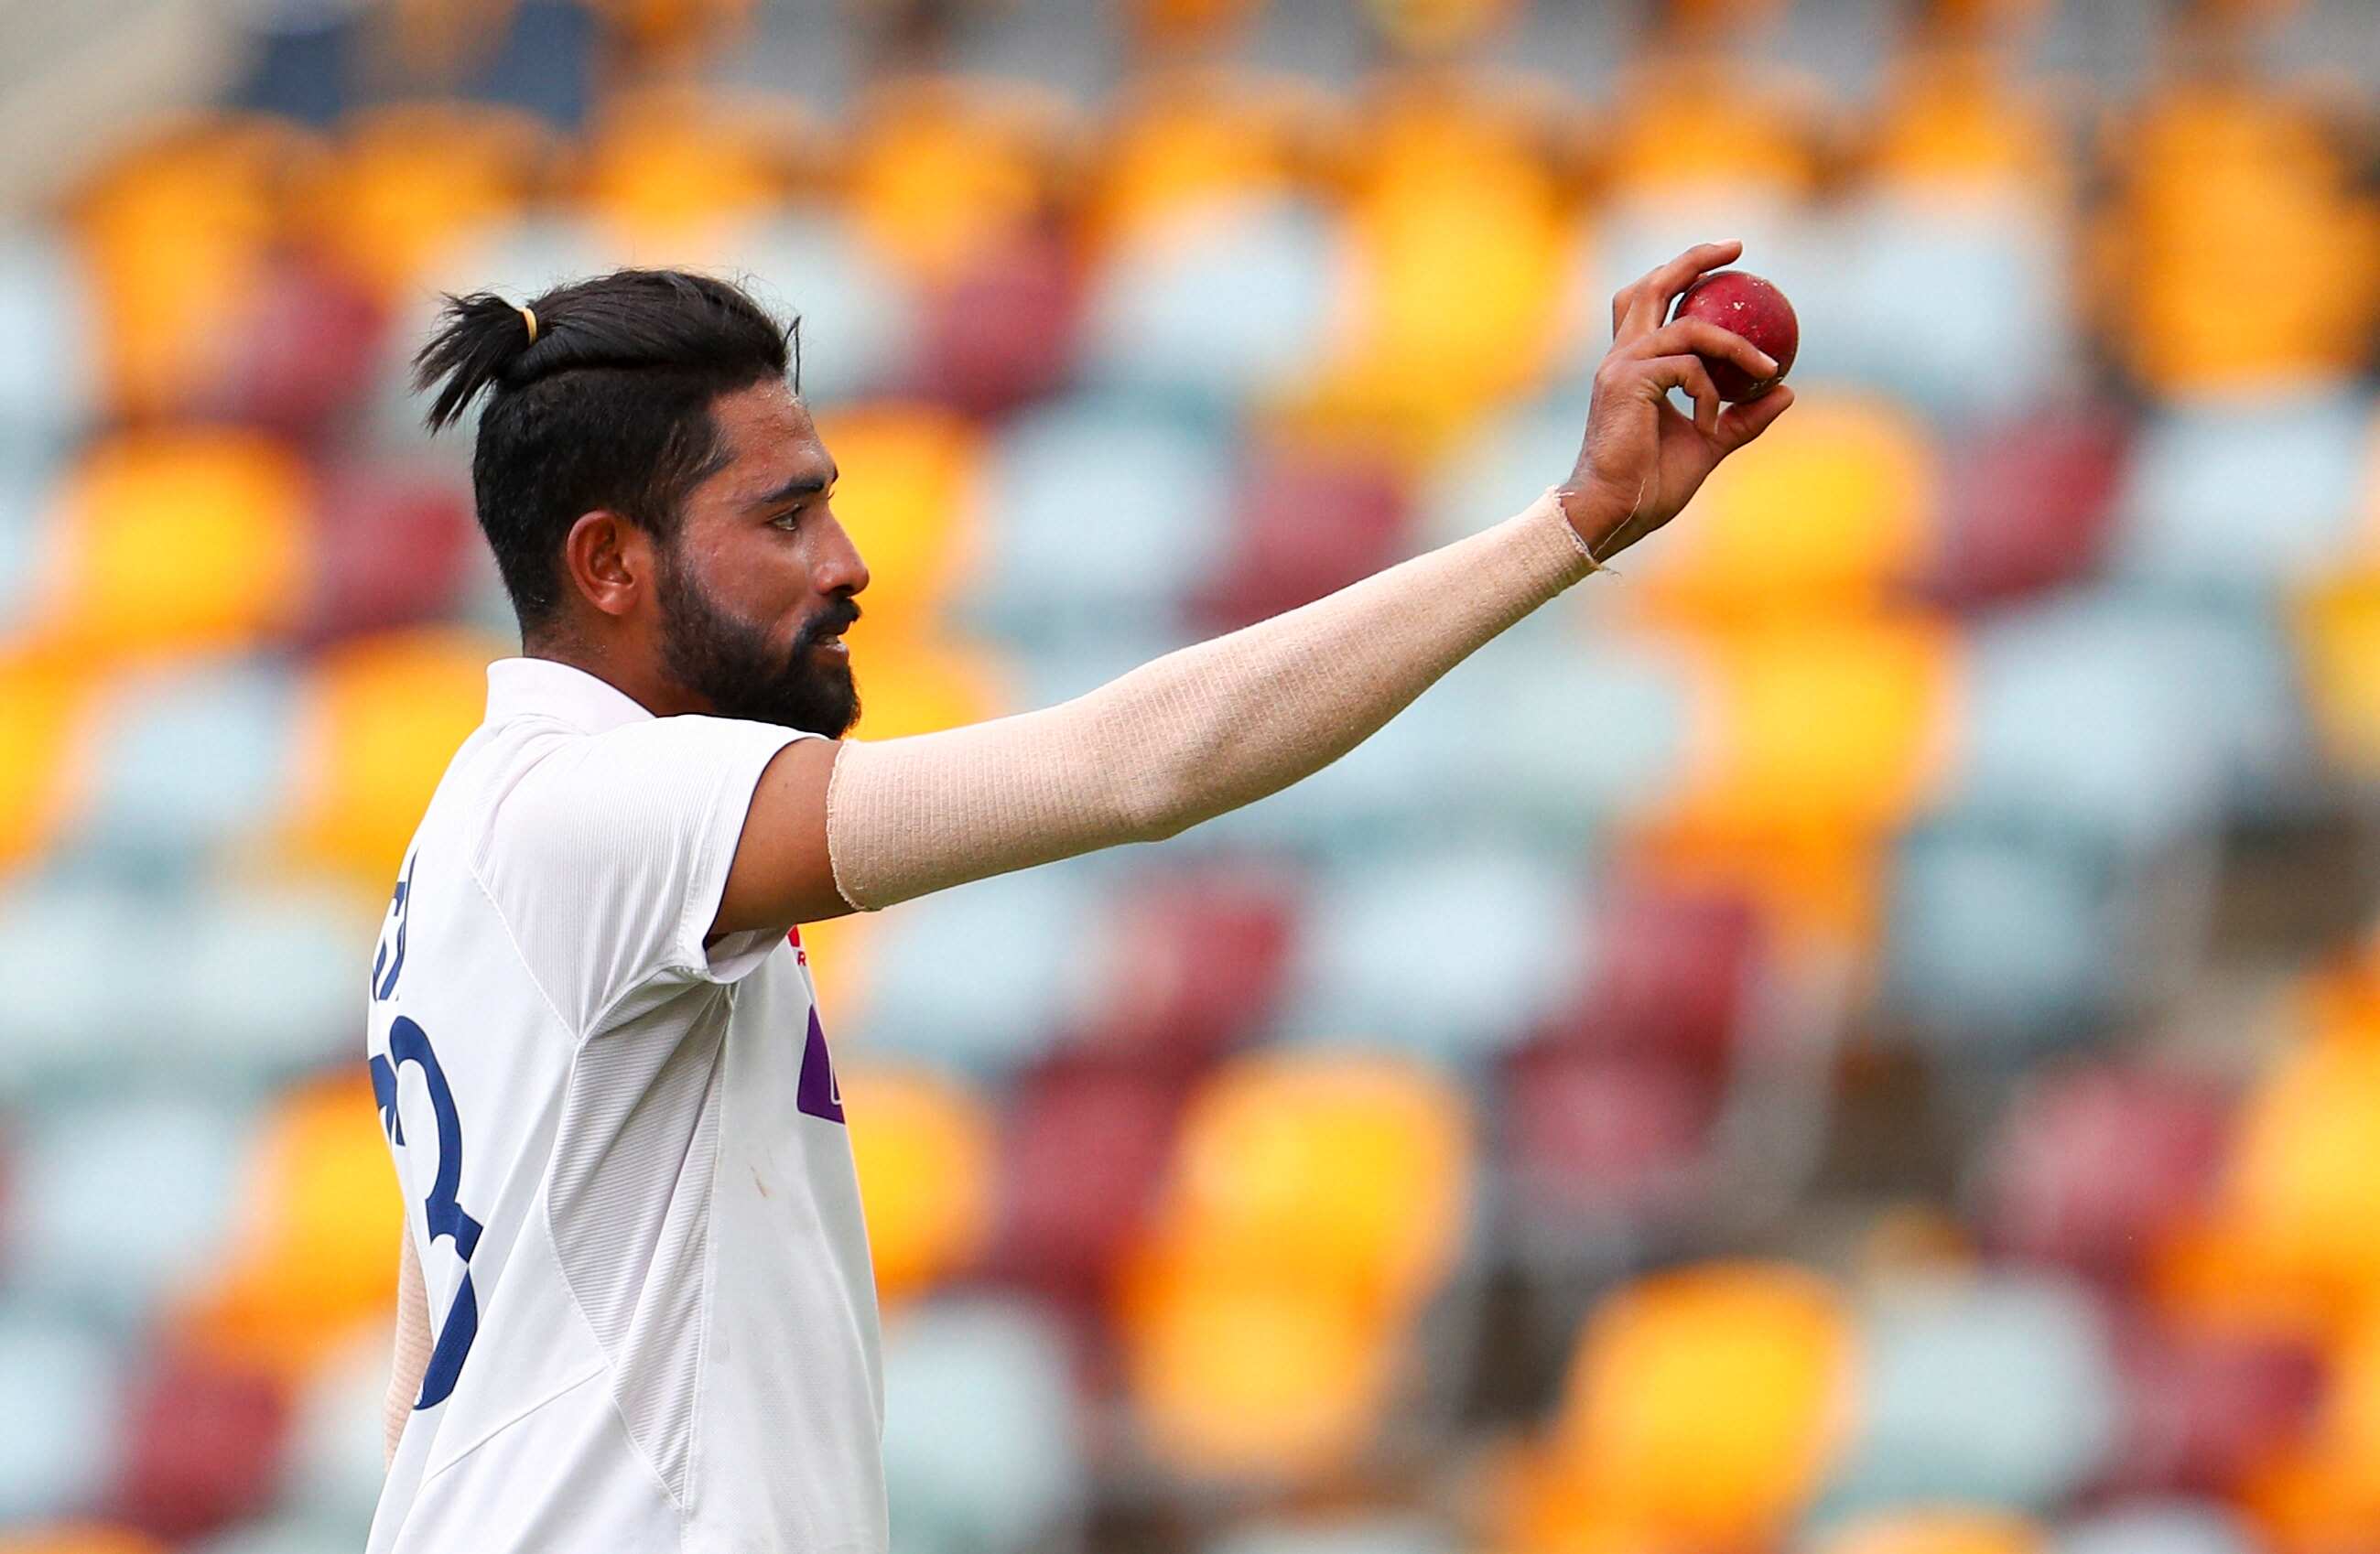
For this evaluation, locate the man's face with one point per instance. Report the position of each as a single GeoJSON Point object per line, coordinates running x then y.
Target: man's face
{"type": "Point", "coordinates": [757, 588]}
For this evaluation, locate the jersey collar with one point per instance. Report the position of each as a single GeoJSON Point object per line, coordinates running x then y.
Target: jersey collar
{"type": "Point", "coordinates": [545, 686]}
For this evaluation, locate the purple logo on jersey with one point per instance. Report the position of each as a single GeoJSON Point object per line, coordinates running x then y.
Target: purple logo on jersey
{"type": "Point", "coordinates": [817, 1094]}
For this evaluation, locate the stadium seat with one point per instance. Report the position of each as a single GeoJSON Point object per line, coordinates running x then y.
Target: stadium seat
{"type": "Point", "coordinates": [1227, 305]}
{"type": "Point", "coordinates": [2006, 944]}
{"type": "Point", "coordinates": [66, 1030]}
{"type": "Point", "coordinates": [1085, 1143]}
{"type": "Point", "coordinates": [2300, 1178]}
{"type": "Point", "coordinates": [77, 1535]}
{"type": "Point", "coordinates": [861, 320]}
{"type": "Point", "coordinates": [1458, 255]}
{"type": "Point", "coordinates": [940, 169]}
{"type": "Point", "coordinates": [332, 1471]}
{"type": "Point", "coordinates": [986, 978]}
{"type": "Point", "coordinates": [2241, 497]}
{"type": "Point", "coordinates": [1382, 1533]}
{"type": "Point", "coordinates": [301, 350]}
{"type": "Point", "coordinates": [1634, 1434]}
{"type": "Point", "coordinates": [1307, 521]}
{"type": "Point", "coordinates": [263, 978]}
{"type": "Point", "coordinates": [172, 234]}
{"type": "Point", "coordinates": [983, 1448]}
{"type": "Point", "coordinates": [406, 184]}
{"type": "Point", "coordinates": [908, 498]}
{"type": "Point", "coordinates": [1934, 1532]}
{"type": "Point", "coordinates": [1097, 517]}
{"type": "Point", "coordinates": [1188, 140]}
{"type": "Point", "coordinates": [1595, 1137]}
{"type": "Point", "coordinates": [203, 1445]}
{"type": "Point", "coordinates": [1237, 1384]}
{"type": "Point", "coordinates": [395, 546]}
{"type": "Point", "coordinates": [178, 541]}
{"type": "Point", "coordinates": [2029, 504]}
{"type": "Point", "coordinates": [316, 1256]}
{"type": "Point", "coordinates": [1998, 1393]}
{"type": "Point", "coordinates": [1346, 1175]}
{"type": "Point", "coordinates": [1755, 136]}
{"type": "Point", "coordinates": [378, 718]}
{"type": "Point", "coordinates": [2090, 1166]}
{"type": "Point", "coordinates": [999, 333]}
{"type": "Point", "coordinates": [50, 372]}
{"type": "Point", "coordinates": [121, 1203]}
{"type": "Point", "coordinates": [186, 759]}
{"type": "Point", "coordinates": [1498, 921]}
{"type": "Point", "coordinates": [54, 1459]}
{"type": "Point", "coordinates": [925, 1148]}
{"type": "Point", "coordinates": [296, 1533]}
{"type": "Point", "coordinates": [1670, 972]}
{"type": "Point", "coordinates": [1953, 125]}
{"type": "Point", "coordinates": [1195, 960]}
{"type": "Point", "coordinates": [2206, 1408]}
{"type": "Point", "coordinates": [2159, 1527]}
{"type": "Point", "coordinates": [47, 713]}
{"type": "Point", "coordinates": [670, 167]}
{"type": "Point", "coordinates": [1568, 739]}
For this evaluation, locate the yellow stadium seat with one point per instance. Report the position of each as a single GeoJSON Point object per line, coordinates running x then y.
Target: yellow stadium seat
{"type": "Point", "coordinates": [907, 499]}
{"type": "Point", "coordinates": [915, 685]}
{"type": "Point", "coordinates": [381, 718]}
{"type": "Point", "coordinates": [79, 1537]}
{"type": "Point", "coordinates": [1936, 1532]}
{"type": "Point", "coordinates": [1459, 248]}
{"type": "Point", "coordinates": [667, 173]}
{"type": "Point", "coordinates": [175, 541]}
{"type": "Point", "coordinates": [45, 700]}
{"type": "Point", "coordinates": [1305, 1171]}
{"type": "Point", "coordinates": [926, 1150]}
{"type": "Point", "coordinates": [664, 34]}
{"type": "Point", "coordinates": [1637, 1433]}
{"type": "Point", "coordinates": [2305, 1181]}
{"type": "Point", "coordinates": [175, 235]}
{"type": "Point", "coordinates": [407, 185]}
{"type": "Point", "coordinates": [1230, 1382]}
{"type": "Point", "coordinates": [939, 171]}
{"type": "Point", "coordinates": [1829, 512]}
{"type": "Point", "coordinates": [1751, 131]}
{"type": "Point", "coordinates": [1193, 138]}
{"type": "Point", "coordinates": [316, 1252]}
{"type": "Point", "coordinates": [1433, 30]}
{"type": "Point", "coordinates": [2338, 630]}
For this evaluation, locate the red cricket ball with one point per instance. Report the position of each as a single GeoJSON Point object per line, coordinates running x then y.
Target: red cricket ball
{"type": "Point", "coordinates": [1753, 308]}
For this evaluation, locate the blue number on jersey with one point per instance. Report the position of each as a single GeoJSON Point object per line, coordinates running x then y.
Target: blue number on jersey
{"type": "Point", "coordinates": [408, 1042]}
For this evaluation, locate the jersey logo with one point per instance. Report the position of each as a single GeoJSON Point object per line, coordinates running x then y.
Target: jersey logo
{"type": "Point", "coordinates": [817, 1094]}
{"type": "Point", "coordinates": [390, 961]}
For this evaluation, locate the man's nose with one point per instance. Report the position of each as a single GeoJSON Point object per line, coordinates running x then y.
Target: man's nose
{"type": "Point", "coordinates": [838, 568]}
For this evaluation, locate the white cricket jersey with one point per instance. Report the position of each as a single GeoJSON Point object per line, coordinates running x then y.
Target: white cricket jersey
{"type": "Point", "coordinates": [622, 1157]}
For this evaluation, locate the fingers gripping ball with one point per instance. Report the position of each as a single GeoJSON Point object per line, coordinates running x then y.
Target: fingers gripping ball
{"type": "Point", "coordinates": [1745, 305]}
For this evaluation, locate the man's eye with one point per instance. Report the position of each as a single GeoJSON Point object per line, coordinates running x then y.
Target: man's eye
{"type": "Point", "coordinates": [788, 521]}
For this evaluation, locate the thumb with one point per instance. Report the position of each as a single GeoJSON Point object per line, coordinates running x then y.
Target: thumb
{"type": "Point", "coordinates": [1743, 422]}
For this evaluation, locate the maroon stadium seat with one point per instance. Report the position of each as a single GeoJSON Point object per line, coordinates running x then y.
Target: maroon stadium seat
{"type": "Point", "coordinates": [393, 548]}
{"type": "Point", "coordinates": [304, 347]}
{"type": "Point", "coordinates": [2204, 1410]}
{"type": "Point", "coordinates": [1671, 971]}
{"type": "Point", "coordinates": [1001, 331]}
{"type": "Point", "coordinates": [2029, 504]}
{"type": "Point", "coordinates": [1199, 961]}
{"type": "Point", "coordinates": [1308, 520]}
{"type": "Point", "coordinates": [1604, 1133]}
{"type": "Point", "coordinates": [202, 1446]}
{"type": "Point", "coordinates": [1087, 1139]}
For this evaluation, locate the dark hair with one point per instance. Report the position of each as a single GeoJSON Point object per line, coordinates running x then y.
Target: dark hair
{"type": "Point", "coordinates": [608, 406]}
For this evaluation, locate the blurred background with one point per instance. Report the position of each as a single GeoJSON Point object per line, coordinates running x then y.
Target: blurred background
{"type": "Point", "coordinates": [1861, 1034]}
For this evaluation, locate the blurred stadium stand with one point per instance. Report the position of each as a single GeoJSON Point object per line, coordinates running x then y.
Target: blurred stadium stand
{"type": "Point", "coordinates": [1859, 1035]}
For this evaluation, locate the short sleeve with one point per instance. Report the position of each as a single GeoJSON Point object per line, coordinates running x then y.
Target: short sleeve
{"type": "Point", "coordinates": [607, 857]}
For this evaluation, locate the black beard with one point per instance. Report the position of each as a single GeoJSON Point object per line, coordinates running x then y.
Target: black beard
{"type": "Point", "coordinates": [729, 663]}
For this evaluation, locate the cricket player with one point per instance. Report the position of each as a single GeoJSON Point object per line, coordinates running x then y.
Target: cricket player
{"type": "Point", "coordinates": [636, 1310]}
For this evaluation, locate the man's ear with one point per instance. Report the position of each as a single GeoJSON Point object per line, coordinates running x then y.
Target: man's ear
{"type": "Point", "coordinates": [608, 560]}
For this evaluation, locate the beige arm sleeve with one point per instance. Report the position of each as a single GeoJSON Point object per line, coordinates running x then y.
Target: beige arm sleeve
{"type": "Point", "coordinates": [1189, 735]}
{"type": "Point", "coordinates": [413, 1345]}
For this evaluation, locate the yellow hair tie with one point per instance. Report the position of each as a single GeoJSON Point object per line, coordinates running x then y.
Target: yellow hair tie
{"type": "Point", "coordinates": [529, 318]}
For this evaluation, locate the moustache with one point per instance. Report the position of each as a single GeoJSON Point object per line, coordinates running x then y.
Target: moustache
{"type": "Point", "coordinates": [831, 621]}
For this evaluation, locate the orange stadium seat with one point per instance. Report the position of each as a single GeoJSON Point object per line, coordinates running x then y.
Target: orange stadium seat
{"type": "Point", "coordinates": [406, 184]}
{"type": "Point", "coordinates": [940, 169]}
{"type": "Point", "coordinates": [1636, 1431]}
{"type": "Point", "coordinates": [172, 234]}
{"type": "Point", "coordinates": [2222, 186]}
{"type": "Point", "coordinates": [316, 1256]}
{"type": "Point", "coordinates": [379, 719]}
{"type": "Point", "coordinates": [907, 498]}
{"type": "Point", "coordinates": [1192, 139]}
{"type": "Point", "coordinates": [668, 172]}
{"type": "Point", "coordinates": [1935, 1531]}
{"type": "Point", "coordinates": [1836, 509]}
{"type": "Point", "coordinates": [79, 1537]}
{"type": "Point", "coordinates": [1951, 123]}
{"type": "Point", "coordinates": [1237, 1382]}
{"type": "Point", "coordinates": [2336, 625]}
{"type": "Point", "coordinates": [2306, 1181]}
{"type": "Point", "coordinates": [46, 709]}
{"type": "Point", "coordinates": [1302, 1172]}
{"type": "Point", "coordinates": [926, 1150]}
{"type": "Point", "coordinates": [1752, 131]}
{"type": "Point", "coordinates": [178, 540]}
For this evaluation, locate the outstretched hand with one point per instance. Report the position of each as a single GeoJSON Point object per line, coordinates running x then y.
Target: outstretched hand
{"type": "Point", "coordinates": [1642, 461]}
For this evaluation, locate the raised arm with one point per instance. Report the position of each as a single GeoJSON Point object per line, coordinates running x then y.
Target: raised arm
{"type": "Point", "coordinates": [863, 824]}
